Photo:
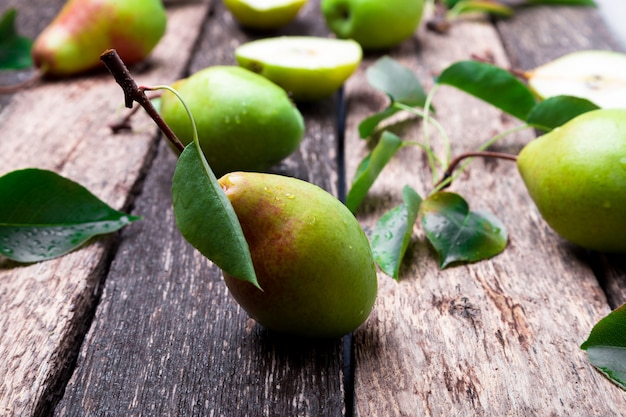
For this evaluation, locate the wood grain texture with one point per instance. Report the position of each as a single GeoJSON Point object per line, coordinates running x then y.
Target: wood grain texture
{"type": "Point", "coordinates": [558, 31]}
{"type": "Point", "coordinates": [498, 337]}
{"type": "Point", "coordinates": [167, 338]}
{"type": "Point", "coordinates": [62, 126]}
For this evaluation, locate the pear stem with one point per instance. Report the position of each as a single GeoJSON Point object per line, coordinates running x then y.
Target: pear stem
{"type": "Point", "coordinates": [441, 184]}
{"type": "Point", "coordinates": [133, 93]}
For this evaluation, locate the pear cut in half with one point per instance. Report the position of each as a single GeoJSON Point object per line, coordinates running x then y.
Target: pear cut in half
{"type": "Point", "coordinates": [307, 67]}
{"type": "Point", "coordinates": [598, 76]}
{"type": "Point", "coordinates": [264, 14]}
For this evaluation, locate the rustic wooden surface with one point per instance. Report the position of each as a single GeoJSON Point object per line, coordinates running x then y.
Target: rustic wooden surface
{"type": "Point", "coordinates": [498, 337]}
{"type": "Point", "coordinates": [45, 307]}
{"type": "Point", "coordinates": [492, 338]}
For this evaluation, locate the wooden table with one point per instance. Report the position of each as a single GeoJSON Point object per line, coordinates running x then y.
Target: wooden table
{"type": "Point", "coordinates": [139, 324]}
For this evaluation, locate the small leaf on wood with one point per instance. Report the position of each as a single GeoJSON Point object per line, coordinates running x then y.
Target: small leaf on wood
{"type": "Point", "coordinates": [458, 234]}
{"type": "Point", "coordinates": [483, 6]}
{"type": "Point", "coordinates": [44, 215]}
{"type": "Point", "coordinates": [491, 84]}
{"type": "Point", "coordinates": [564, 2]}
{"type": "Point", "coordinates": [392, 233]}
{"type": "Point", "coordinates": [399, 83]}
{"type": "Point", "coordinates": [205, 217]}
{"type": "Point", "coordinates": [368, 125]}
{"type": "Point", "coordinates": [14, 49]}
{"type": "Point", "coordinates": [555, 111]}
{"type": "Point", "coordinates": [606, 346]}
{"type": "Point", "coordinates": [370, 167]}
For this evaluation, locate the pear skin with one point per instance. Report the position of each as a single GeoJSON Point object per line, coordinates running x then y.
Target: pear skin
{"type": "Point", "coordinates": [245, 122]}
{"type": "Point", "coordinates": [83, 29]}
{"type": "Point", "coordinates": [576, 175]}
{"type": "Point", "coordinates": [312, 259]}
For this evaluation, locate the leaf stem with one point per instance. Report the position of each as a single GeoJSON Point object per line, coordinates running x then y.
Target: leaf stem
{"type": "Point", "coordinates": [445, 181]}
{"type": "Point", "coordinates": [132, 93]}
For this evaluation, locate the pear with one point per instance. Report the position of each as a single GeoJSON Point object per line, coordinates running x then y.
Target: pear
{"type": "Point", "coordinates": [244, 121]}
{"type": "Point", "coordinates": [312, 259]}
{"type": "Point", "coordinates": [307, 67]}
{"type": "Point", "coordinates": [598, 76]}
{"type": "Point", "coordinates": [83, 29]}
{"type": "Point", "coordinates": [576, 175]}
{"type": "Point", "coordinates": [375, 24]}
{"type": "Point", "coordinates": [264, 14]}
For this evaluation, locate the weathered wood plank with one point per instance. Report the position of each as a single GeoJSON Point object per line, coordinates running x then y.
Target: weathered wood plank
{"type": "Point", "coordinates": [499, 337]}
{"type": "Point", "coordinates": [167, 338]}
{"type": "Point", "coordinates": [62, 126]}
{"type": "Point", "coordinates": [563, 30]}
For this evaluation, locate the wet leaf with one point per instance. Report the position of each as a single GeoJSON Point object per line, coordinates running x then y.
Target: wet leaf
{"type": "Point", "coordinates": [370, 167]}
{"type": "Point", "coordinates": [399, 83]}
{"type": "Point", "coordinates": [606, 346]}
{"type": "Point", "coordinates": [206, 218]}
{"type": "Point", "coordinates": [491, 84]}
{"type": "Point", "coordinates": [392, 233]}
{"type": "Point", "coordinates": [44, 215]}
{"type": "Point", "coordinates": [555, 111]}
{"type": "Point", "coordinates": [458, 234]}
{"type": "Point", "coordinates": [14, 49]}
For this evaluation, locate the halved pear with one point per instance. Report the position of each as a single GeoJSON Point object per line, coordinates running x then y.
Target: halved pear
{"type": "Point", "coordinates": [264, 14]}
{"type": "Point", "coordinates": [598, 76]}
{"type": "Point", "coordinates": [307, 67]}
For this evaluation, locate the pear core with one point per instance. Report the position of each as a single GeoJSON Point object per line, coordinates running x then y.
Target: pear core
{"type": "Point", "coordinates": [576, 175]}
{"type": "Point", "coordinates": [312, 259]}
{"type": "Point", "coordinates": [307, 67]}
{"type": "Point", "coordinates": [264, 14]}
{"type": "Point", "coordinates": [598, 76]}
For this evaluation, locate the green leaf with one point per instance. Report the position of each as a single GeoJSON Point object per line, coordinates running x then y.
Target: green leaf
{"type": "Point", "coordinates": [206, 218]}
{"type": "Point", "coordinates": [368, 125]}
{"type": "Point", "coordinates": [458, 234]}
{"type": "Point", "coordinates": [483, 6]}
{"type": "Point", "coordinates": [491, 84]}
{"type": "Point", "coordinates": [399, 83]}
{"type": "Point", "coordinates": [564, 2]}
{"type": "Point", "coordinates": [14, 49]}
{"type": "Point", "coordinates": [606, 346]}
{"type": "Point", "coordinates": [44, 215]}
{"type": "Point", "coordinates": [555, 111]}
{"type": "Point", "coordinates": [392, 233]}
{"type": "Point", "coordinates": [370, 167]}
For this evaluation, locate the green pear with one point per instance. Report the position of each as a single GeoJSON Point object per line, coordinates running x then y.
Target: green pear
{"type": "Point", "coordinates": [264, 14]}
{"type": "Point", "coordinates": [244, 121]}
{"type": "Point", "coordinates": [307, 67]}
{"type": "Point", "coordinates": [83, 29]}
{"type": "Point", "coordinates": [375, 24]}
{"type": "Point", "coordinates": [576, 175]}
{"type": "Point", "coordinates": [312, 259]}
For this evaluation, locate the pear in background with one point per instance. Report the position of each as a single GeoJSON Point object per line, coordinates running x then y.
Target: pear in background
{"type": "Point", "coordinates": [264, 14]}
{"type": "Point", "coordinates": [311, 257]}
{"type": "Point", "coordinates": [83, 29]}
{"type": "Point", "coordinates": [576, 175]}
{"type": "Point", "coordinates": [244, 121]}
{"type": "Point", "coordinates": [307, 67]}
